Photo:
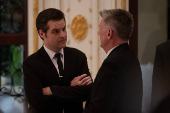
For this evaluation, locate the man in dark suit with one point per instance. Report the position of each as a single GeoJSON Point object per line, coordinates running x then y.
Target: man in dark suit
{"type": "Point", "coordinates": [161, 76]}
{"type": "Point", "coordinates": [118, 84]}
{"type": "Point", "coordinates": [57, 68]}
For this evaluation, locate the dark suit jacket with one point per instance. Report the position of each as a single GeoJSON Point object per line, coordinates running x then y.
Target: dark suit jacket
{"type": "Point", "coordinates": [118, 84]}
{"type": "Point", "coordinates": [163, 106]}
{"type": "Point", "coordinates": [161, 74]}
{"type": "Point", "coordinates": [40, 72]}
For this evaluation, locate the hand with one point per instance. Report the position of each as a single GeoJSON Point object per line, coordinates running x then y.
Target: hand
{"type": "Point", "coordinates": [81, 80]}
{"type": "Point", "coordinates": [47, 91]}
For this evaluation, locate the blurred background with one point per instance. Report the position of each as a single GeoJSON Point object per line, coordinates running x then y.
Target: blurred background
{"type": "Point", "coordinates": [19, 39]}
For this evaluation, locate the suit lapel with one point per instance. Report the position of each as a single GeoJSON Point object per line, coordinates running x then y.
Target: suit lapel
{"type": "Point", "coordinates": [50, 66]}
{"type": "Point", "coordinates": [67, 65]}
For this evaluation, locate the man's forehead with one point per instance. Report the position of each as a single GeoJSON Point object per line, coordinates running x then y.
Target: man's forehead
{"type": "Point", "coordinates": [57, 24]}
{"type": "Point", "coordinates": [102, 22]}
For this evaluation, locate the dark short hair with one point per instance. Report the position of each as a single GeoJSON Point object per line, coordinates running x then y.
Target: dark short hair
{"type": "Point", "coordinates": [120, 21]}
{"type": "Point", "coordinates": [47, 15]}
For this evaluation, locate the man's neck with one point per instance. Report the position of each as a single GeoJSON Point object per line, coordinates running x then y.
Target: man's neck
{"type": "Point", "coordinates": [53, 49]}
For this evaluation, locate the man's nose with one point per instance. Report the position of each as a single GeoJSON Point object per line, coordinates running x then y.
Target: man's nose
{"type": "Point", "coordinates": [62, 34]}
{"type": "Point", "coordinates": [98, 32]}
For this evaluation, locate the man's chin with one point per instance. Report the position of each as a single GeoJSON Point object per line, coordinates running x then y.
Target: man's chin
{"type": "Point", "coordinates": [100, 45]}
{"type": "Point", "coordinates": [64, 45]}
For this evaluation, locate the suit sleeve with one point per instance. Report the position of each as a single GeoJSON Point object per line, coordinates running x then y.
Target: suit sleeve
{"type": "Point", "coordinates": [33, 88]}
{"type": "Point", "coordinates": [158, 77]}
{"type": "Point", "coordinates": [158, 63]}
{"type": "Point", "coordinates": [107, 88]}
{"type": "Point", "coordinates": [74, 93]}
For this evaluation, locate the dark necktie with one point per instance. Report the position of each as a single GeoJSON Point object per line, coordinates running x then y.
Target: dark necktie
{"type": "Point", "coordinates": [60, 64]}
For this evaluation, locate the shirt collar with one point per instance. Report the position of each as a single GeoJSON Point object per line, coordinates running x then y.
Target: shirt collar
{"type": "Point", "coordinates": [52, 53]}
{"type": "Point", "coordinates": [110, 51]}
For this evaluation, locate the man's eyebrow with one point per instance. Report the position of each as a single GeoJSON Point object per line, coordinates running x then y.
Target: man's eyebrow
{"type": "Point", "coordinates": [58, 29]}
{"type": "Point", "coordinates": [55, 29]}
{"type": "Point", "coordinates": [64, 27]}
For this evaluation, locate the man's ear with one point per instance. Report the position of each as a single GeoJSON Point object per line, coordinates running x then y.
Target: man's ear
{"type": "Point", "coordinates": [109, 33]}
{"type": "Point", "coordinates": [42, 34]}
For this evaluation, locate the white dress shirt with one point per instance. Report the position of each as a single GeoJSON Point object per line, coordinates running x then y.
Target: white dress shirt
{"type": "Point", "coordinates": [51, 54]}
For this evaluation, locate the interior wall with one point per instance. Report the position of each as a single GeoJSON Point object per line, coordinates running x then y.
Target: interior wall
{"type": "Point", "coordinates": [30, 27]}
{"type": "Point", "coordinates": [152, 30]}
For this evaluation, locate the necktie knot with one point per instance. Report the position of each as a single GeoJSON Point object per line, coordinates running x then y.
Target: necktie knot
{"type": "Point", "coordinates": [57, 55]}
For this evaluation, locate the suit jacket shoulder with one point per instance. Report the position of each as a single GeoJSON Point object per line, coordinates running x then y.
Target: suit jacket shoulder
{"type": "Point", "coordinates": [164, 46]}
{"type": "Point", "coordinates": [122, 55]}
{"type": "Point", "coordinates": [74, 52]}
{"type": "Point", "coordinates": [36, 56]}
